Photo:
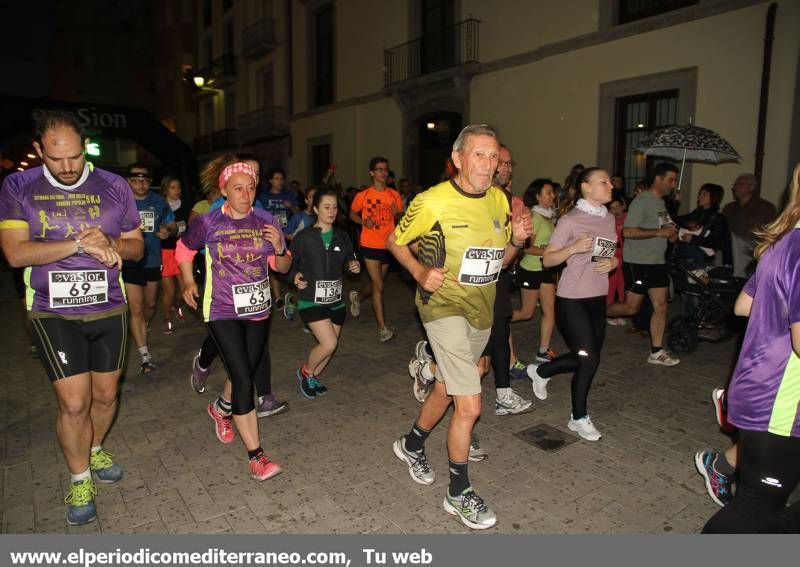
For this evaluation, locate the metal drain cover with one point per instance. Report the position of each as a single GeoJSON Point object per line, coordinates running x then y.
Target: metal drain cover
{"type": "Point", "coordinates": [546, 437]}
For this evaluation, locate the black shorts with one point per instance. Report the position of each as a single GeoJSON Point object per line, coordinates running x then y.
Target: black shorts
{"type": "Point", "coordinates": [379, 254]}
{"type": "Point", "coordinates": [527, 279]}
{"type": "Point", "coordinates": [322, 312]}
{"type": "Point", "coordinates": [641, 277]}
{"type": "Point", "coordinates": [140, 276]}
{"type": "Point", "coordinates": [70, 346]}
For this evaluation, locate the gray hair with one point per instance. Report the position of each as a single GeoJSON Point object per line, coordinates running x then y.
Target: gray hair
{"type": "Point", "coordinates": [472, 130]}
{"type": "Point", "coordinates": [749, 177]}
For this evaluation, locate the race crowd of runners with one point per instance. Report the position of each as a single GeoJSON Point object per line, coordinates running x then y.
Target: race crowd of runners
{"type": "Point", "coordinates": [98, 255]}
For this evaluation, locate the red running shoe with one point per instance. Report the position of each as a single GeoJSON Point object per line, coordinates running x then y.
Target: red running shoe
{"type": "Point", "coordinates": [223, 424]}
{"type": "Point", "coordinates": [720, 410]}
{"type": "Point", "coordinates": [261, 468]}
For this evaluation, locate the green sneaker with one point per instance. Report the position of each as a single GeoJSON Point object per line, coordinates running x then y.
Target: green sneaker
{"type": "Point", "coordinates": [80, 502]}
{"type": "Point", "coordinates": [103, 466]}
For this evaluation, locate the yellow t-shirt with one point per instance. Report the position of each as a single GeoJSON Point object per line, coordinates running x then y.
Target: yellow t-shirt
{"type": "Point", "coordinates": [467, 234]}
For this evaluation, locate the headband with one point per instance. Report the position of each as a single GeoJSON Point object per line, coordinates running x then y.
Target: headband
{"type": "Point", "coordinates": [238, 167]}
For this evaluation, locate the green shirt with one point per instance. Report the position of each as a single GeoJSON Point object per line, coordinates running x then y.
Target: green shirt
{"type": "Point", "coordinates": [542, 229]}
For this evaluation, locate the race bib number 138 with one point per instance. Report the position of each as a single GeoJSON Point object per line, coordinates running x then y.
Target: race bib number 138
{"type": "Point", "coordinates": [481, 266]}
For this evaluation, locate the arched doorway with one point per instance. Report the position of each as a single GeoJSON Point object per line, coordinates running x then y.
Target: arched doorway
{"type": "Point", "coordinates": [436, 133]}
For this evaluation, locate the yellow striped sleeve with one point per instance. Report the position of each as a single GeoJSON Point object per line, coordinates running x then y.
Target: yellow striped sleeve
{"type": "Point", "coordinates": [13, 223]}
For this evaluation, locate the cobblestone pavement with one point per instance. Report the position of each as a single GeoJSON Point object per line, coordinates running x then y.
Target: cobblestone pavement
{"type": "Point", "coordinates": [340, 475]}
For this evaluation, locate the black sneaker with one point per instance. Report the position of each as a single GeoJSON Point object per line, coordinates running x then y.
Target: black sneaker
{"type": "Point", "coordinates": [306, 388]}
{"type": "Point", "coordinates": [319, 387]}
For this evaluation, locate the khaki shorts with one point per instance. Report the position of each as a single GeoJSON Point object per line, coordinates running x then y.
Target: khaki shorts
{"type": "Point", "coordinates": [457, 346]}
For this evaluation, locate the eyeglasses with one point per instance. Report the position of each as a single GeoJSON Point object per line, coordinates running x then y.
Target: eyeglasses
{"type": "Point", "coordinates": [142, 179]}
{"type": "Point", "coordinates": [506, 164]}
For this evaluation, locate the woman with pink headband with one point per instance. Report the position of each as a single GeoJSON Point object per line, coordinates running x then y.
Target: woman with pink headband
{"type": "Point", "coordinates": [241, 245]}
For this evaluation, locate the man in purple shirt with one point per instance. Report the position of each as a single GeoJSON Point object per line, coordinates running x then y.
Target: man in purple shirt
{"type": "Point", "coordinates": [72, 225]}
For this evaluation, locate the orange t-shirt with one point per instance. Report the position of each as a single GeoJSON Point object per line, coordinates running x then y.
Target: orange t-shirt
{"type": "Point", "coordinates": [380, 207]}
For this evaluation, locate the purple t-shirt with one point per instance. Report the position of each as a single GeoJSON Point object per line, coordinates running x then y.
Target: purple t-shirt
{"type": "Point", "coordinates": [764, 394]}
{"type": "Point", "coordinates": [578, 279]}
{"type": "Point", "coordinates": [237, 258]}
{"type": "Point", "coordinates": [77, 287]}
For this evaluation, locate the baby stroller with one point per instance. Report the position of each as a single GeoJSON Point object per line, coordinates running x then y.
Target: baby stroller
{"type": "Point", "coordinates": [714, 291]}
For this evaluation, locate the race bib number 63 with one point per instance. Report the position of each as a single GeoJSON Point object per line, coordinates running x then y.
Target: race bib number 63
{"type": "Point", "coordinates": [481, 266]}
{"type": "Point", "coordinates": [252, 298]}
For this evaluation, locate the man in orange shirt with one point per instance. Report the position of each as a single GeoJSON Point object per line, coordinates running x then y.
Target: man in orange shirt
{"type": "Point", "coordinates": [376, 209]}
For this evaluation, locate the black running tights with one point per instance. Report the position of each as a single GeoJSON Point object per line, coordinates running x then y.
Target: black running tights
{"type": "Point", "coordinates": [244, 352]}
{"type": "Point", "coordinates": [500, 351]}
{"type": "Point", "coordinates": [769, 470]}
{"type": "Point", "coordinates": [582, 323]}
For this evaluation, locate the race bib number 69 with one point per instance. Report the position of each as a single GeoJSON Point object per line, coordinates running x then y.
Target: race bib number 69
{"type": "Point", "coordinates": [76, 288]}
{"type": "Point", "coordinates": [252, 298]}
{"type": "Point", "coordinates": [481, 266]}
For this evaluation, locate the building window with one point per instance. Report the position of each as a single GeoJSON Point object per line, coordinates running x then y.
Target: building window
{"type": "Point", "coordinates": [438, 35]}
{"type": "Point", "coordinates": [632, 10]}
{"type": "Point", "coordinates": [267, 87]}
{"type": "Point", "coordinates": [206, 13]}
{"type": "Point", "coordinates": [320, 162]}
{"type": "Point", "coordinates": [227, 37]}
{"type": "Point", "coordinates": [636, 118]}
{"type": "Point", "coordinates": [230, 111]}
{"type": "Point", "coordinates": [323, 56]}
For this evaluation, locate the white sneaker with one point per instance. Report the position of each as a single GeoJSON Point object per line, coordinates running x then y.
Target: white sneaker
{"type": "Point", "coordinates": [421, 387]}
{"type": "Point", "coordinates": [663, 358]}
{"type": "Point", "coordinates": [385, 334]}
{"type": "Point", "coordinates": [539, 383]}
{"type": "Point", "coordinates": [476, 452]}
{"type": "Point", "coordinates": [584, 427]}
{"type": "Point", "coordinates": [420, 353]}
{"type": "Point", "coordinates": [617, 321]}
{"type": "Point", "coordinates": [355, 304]}
{"type": "Point", "coordinates": [511, 403]}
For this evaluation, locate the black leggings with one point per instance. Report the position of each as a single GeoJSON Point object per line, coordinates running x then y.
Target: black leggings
{"type": "Point", "coordinates": [582, 323]}
{"type": "Point", "coordinates": [769, 470]}
{"type": "Point", "coordinates": [500, 351]}
{"type": "Point", "coordinates": [208, 352]}
{"type": "Point", "coordinates": [244, 352]}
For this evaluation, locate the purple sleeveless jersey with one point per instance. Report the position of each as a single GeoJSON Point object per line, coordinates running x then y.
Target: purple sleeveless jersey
{"type": "Point", "coordinates": [78, 286]}
{"type": "Point", "coordinates": [237, 259]}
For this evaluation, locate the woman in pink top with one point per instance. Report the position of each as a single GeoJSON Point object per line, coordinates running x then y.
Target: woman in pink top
{"type": "Point", "coordinates": [585, 239]}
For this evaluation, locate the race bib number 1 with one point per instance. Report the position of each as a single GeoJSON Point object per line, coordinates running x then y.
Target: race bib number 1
{"type": "Point", "coordinates": [481, 266]}
{"type": "Point", "coordinates": [328, 291]}
{"type": "Point", "coordinates": [252, 298]}
{"type": "Point", "coordinates": [78, 288]}
{"type": "Point", "coordinates": [148, 219]}
{"type": "Point", "coordinates": [603, 248]}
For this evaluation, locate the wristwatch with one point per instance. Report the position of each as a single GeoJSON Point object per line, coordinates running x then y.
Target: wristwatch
{"type": "Point", "coordinates": [282, 253]}
{"type": "Point", "coordinates": [80, 246]}
{"type": "Point", "coordinates": [519, 246]}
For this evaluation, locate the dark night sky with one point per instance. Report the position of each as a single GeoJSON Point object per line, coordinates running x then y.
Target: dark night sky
{"type": "Point", "coordinates": [26, 32]}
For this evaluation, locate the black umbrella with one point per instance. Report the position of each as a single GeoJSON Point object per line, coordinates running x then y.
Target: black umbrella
{"type": "Point", "coordinates": [688, 142]}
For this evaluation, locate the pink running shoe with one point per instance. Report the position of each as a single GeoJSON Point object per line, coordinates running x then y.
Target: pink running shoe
{"type": "Point", "coordinates": [261, 468]}
{"type": "Point", "coordinates": [180, 315]}
{"type": "Point", "coordinates": [223, 424]}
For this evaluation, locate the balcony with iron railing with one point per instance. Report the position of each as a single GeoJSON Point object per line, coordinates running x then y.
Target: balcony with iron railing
{"type": "Point", "coordinates": [449, 47]}
{"type": "Point", "coordinates": [259, 38]}
{"type": "Point", "coordinates": [263, 124]}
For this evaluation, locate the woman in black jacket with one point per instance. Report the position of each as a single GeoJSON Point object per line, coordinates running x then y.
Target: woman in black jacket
{"type": "Point", "coordinates": [321, 253]}
{"type": "Point", "coordinates": [705, 231]}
